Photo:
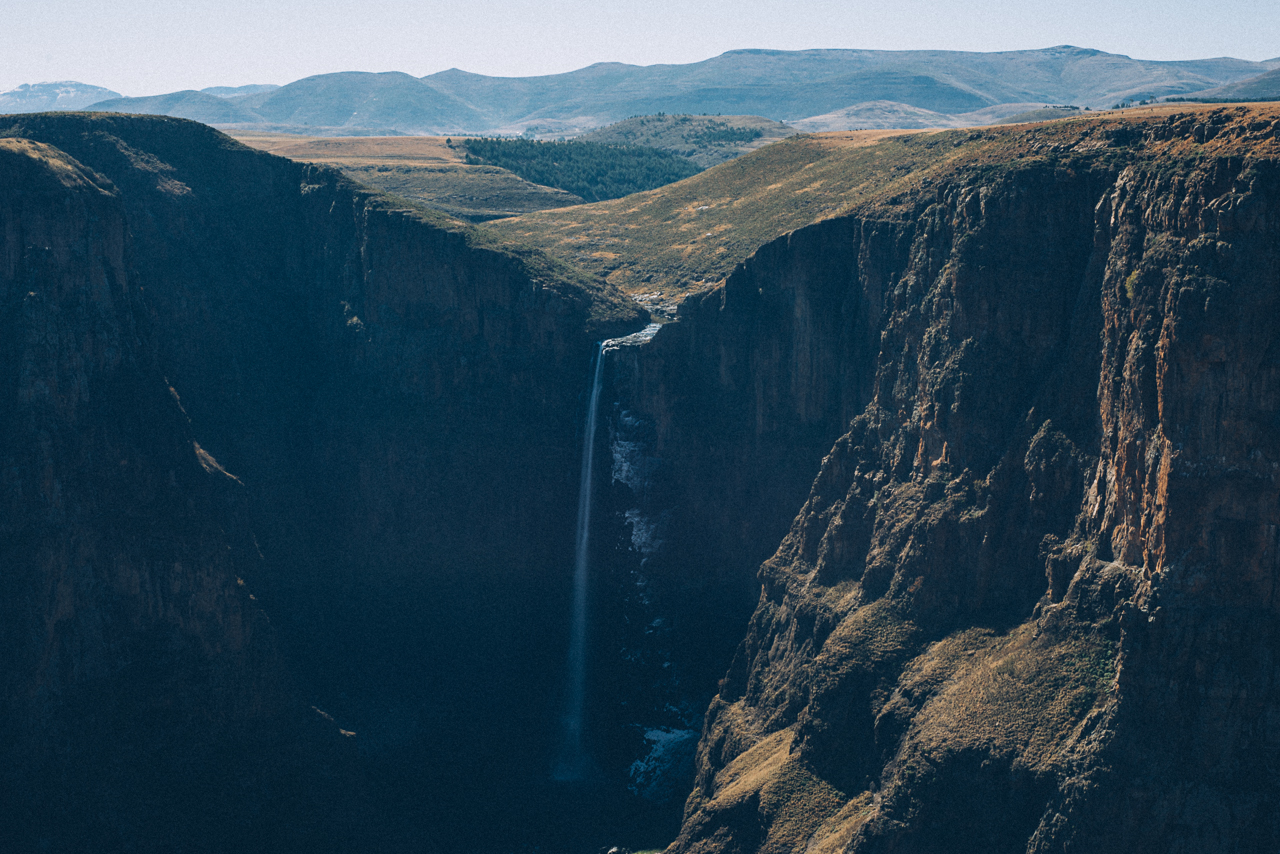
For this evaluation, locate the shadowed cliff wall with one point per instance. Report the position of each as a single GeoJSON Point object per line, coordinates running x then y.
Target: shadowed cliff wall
{"type": "Point", "coordinates": [397, 405]}
{"type": "Point", "coordinates": [144, 698]}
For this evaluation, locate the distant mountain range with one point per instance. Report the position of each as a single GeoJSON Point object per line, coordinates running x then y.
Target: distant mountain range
{"type": "Point", "coordinates": [792, 85]}
{"type": "Point", "coordinates": [233, 91]}
{"type": "Point", "coordinates": [859, 88]}
{"type": "Point", "coordinates": [1264, 87]}
{"type": "Point", "coordinates": [43, 97]}
{"type": "Point", "coordinates": [187, 104]}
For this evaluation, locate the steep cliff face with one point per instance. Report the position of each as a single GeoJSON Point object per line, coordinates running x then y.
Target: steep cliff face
{"type": "Point", "coordinates": [716, 425]}
{"type": "Point", "coordinates": [1028, 602]}
{"type": "Point", "coordinates": [139, 675]}
{"type": "Point", "coordinates": [397, 404]}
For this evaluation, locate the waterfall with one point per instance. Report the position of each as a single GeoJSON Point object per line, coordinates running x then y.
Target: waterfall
{"type": "Point", "coordinates": [573, 762]}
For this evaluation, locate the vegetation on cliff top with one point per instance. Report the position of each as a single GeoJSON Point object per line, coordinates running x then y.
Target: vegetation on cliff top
{"type": "Point", "coordinates": [173, 142]}
{"type": "Point", "coordinates": [591, 170]}
{"type": "Point", "coordinates": [427, 169]}
{"type": "Point", "coordinates": [688, 236]}
{"type": "Point", "coordinates": [706, 140]}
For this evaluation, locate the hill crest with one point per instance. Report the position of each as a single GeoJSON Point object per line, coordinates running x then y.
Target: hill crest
{"type": "Point", "coordinates": [780, 85]}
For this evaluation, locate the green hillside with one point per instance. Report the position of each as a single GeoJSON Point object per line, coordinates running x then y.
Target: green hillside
{"type": "Point", "coordinates": [688, 236]}
{"type": "Point", "coordinates": [591, 170]}
{"type": "Point", "coordinates": [188, 104]}
{"type": "Point", "coordinates": [1264, 87]}
{"type": "Point", "coordinates": [706, 140]}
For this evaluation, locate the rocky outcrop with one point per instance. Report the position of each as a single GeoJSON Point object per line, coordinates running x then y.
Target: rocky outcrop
{"type": "Point", "coordinates": [1027, 604]}
{"type": "Point", "coordinates": [238, 386]}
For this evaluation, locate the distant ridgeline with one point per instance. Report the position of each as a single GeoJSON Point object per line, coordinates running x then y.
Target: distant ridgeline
{"type": "Point", "coordinates": [1264, 87]}
{"type": "Point", "coordinates": [592, 170]}
{"type": "Point", "coordinates": [809, 90]}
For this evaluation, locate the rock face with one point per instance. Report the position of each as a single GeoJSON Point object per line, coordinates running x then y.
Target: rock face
{"type": "Point", "coordinates": [139, 674]}
{"type": "Point", "coordinates": [1028, 604]}
{"type": "Point", "coordinates": [228, 374]}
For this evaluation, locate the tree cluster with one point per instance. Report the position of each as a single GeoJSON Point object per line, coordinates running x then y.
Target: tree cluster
{"type": "Point", "coordinates": [721, 133]}
{"type": "Point", "coordinates": [592, 170]}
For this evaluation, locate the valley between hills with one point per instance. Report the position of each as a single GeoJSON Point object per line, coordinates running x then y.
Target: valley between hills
{"type": "Point", "coordinates": [933, 508]}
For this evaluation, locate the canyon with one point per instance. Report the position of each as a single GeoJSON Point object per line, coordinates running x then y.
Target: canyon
{"type": "Point", "coordinates": [945, 521]}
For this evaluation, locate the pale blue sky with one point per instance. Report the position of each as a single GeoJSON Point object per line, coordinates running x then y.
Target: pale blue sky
{"type": "Point", "coordinates": [142, 47]}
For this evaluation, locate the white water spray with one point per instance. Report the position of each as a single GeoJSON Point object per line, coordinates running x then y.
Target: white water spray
{"type": "Point", "coordinates": [573, 762]}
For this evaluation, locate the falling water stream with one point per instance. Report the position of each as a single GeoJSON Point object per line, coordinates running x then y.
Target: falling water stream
{"type": "Point", "coordinates": [573, 762]}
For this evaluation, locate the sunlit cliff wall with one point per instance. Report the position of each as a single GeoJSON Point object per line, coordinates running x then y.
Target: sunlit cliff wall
{"type": "Point", "coordinates": [1028, 603]}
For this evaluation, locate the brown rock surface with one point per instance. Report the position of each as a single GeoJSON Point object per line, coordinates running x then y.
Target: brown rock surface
{"type": "Point", "coordinates": [1028, 604]}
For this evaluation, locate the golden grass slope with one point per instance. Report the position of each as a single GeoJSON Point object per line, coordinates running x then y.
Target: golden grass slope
{"type": "Point", "coordinates": [688, 236]}
{"type": "Point", "coordinates": [62, 168]}
{"type": "Point", "coordinates": [425, 169]}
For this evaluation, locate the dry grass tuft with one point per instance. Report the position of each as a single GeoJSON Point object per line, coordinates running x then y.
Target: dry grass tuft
{"type": "Point", "coordinates": [1024, 694]}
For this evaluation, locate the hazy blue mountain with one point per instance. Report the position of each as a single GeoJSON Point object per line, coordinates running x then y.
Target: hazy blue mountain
{"type": "Point", "coordinates": [188, 104]}
{"type": "Point", "coordinates": [390, 100]}
{"type": "Point", "coordinates": [786, 86]}
{"type": "Point", "coordinates": [892, 114]}
{"type": "Point", "coordinates": [233, 91]}
{"type": "Point", "coordinates": [1264, 87]}
{"type": "Point", "coordinates": [42, 97]}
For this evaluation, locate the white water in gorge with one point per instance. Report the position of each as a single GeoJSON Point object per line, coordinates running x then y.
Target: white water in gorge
{"type": "Point", "coordinates": [573, 762]}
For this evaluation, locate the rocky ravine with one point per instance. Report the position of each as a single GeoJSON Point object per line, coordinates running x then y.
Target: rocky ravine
{"type": "Point", "coordinates": [1029, 604]}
